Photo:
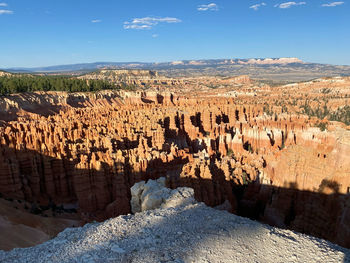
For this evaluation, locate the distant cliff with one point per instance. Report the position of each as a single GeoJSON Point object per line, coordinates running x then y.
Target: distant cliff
{"type": "Point", "coordinates": [291, 69]}
{"type": "Point", "coordinates": [130, 77]}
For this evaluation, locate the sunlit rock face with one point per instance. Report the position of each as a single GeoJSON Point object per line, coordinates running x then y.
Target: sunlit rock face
{"type": "Point", "coordinates": [88, 150]}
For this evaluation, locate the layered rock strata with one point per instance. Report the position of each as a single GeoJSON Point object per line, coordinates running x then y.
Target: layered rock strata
{"type": "Point", "coordinates": [279, 169]}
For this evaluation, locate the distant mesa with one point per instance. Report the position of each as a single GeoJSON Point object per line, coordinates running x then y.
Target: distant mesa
{"type": "Point", "coordinates": [270, 61]}
{"type": "Point", "coordinates": [195, 62]}
{"type": "Point", "coordinates": [288, 69]}
{"type": "Point", "coordinates": [177, 63]}
{"type": "Point", "coordinates": [253, 61]}
{"type": "Point", "coordinates": [161, 65]}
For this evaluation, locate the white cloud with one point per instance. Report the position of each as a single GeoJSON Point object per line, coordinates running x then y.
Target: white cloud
{"type": "Point", "coordinates": [149, 22]}
{"type": "Point", "coordinates": [5, 12]}
{"type": "Point", "coordinates": [289, 4]}
{"type": "Point", "coordinates": [210, 7]}
{"type": "Point", "coordinates": [332, 4]}
{"type": "Point", "coordinates": [155, 35]}
{"type": "Point", "coordinates": [257, 6]}
{"type": "Point", "coordinates": [96, 21]}
{"type": "Point", "coordinates": [132, 26]}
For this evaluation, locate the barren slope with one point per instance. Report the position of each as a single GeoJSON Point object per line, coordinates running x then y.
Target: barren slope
{"type": "Point", "coordinates": [189, 232]}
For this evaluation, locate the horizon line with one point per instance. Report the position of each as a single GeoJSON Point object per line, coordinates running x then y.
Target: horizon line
{"type": "Point", "coordinates": [168, 61]}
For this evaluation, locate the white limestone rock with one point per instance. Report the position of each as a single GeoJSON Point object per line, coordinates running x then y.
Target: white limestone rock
{"type": "Point", "coordinates": [136, 192]}
{"type": "Point", "coordinates": [154, 194]}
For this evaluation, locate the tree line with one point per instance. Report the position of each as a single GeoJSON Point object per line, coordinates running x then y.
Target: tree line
{"type": "Point", "coordinates": [30, 83]}
{"type": "Point", "coordinates": [342, 114]}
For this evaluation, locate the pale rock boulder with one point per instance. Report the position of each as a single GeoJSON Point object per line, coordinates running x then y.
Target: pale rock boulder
{"type": "Point", "coordinates": [154, 199]}
{"type": "Point", "coordinates": [136, 191]}
{"type": "Point", "coordinates": [154, 194]}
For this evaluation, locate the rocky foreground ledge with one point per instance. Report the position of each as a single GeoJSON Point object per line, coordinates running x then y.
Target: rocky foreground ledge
{"type": "Point", "coordinates": [180, 230]}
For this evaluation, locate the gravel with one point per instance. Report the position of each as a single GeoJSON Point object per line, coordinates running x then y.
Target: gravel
{"type": "Point", "coordinates": [185, 233]}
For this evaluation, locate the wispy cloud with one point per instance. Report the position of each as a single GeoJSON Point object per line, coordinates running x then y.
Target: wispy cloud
{"type": "Point", "coordinates": [149, 22]}
{"type": "Point", "coordinates": [96, 21]}
{"type": "Point", "coordinates": [155, 35]}
{"type": "Point", "coordinates": [332, 4]}
{"type": "Point", "coordinates": [5, 12]}
{"type": "Point", "coordinates": [208, 7]}
{"type": "Point", "coordinates": [257, 6]}
{"type": "Point", "coordinates": [289, 4]}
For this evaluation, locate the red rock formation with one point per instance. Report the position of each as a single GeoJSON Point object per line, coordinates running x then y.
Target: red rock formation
{"type": "Point", "coordinates": [279, 168]}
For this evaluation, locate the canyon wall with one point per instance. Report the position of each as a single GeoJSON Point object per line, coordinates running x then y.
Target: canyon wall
{"type": "Point", "coordinates": [87, 150]}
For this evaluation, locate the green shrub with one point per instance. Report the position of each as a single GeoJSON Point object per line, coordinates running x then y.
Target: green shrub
{"type": "Point", "coordinates": [230, 153]}
{"type": "Point", "coordinates": [322, 125]}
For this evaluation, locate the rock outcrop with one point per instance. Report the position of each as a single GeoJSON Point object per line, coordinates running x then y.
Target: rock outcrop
{"type": "Point", "coordinates": [154, 194]}
{"type": "Point", "coordinates": [5, 74]}
{"type": "Point", "coordinates": [130, 77]}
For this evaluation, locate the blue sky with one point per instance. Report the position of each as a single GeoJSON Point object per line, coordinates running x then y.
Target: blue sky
{"type": "Point", "coordinates": [42, 33]}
